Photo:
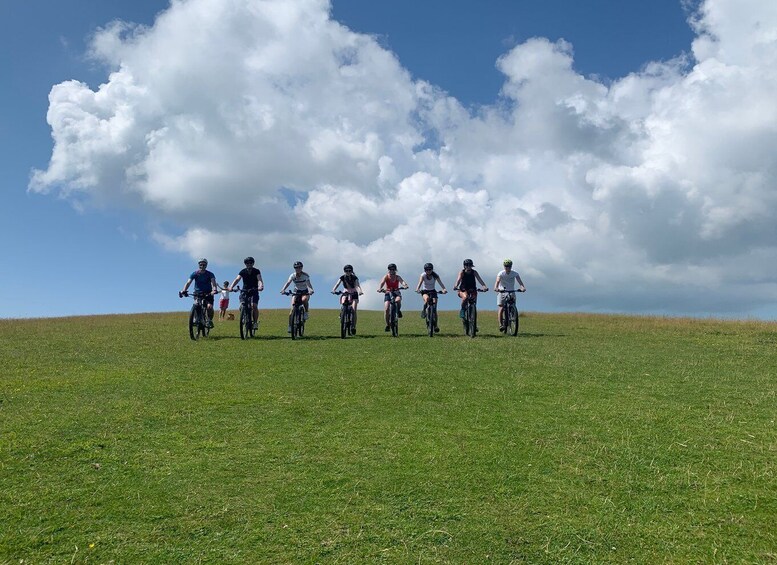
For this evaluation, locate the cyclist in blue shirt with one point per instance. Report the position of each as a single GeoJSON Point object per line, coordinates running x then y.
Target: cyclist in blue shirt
{"type": "Point", "coordinates": [204, 283]}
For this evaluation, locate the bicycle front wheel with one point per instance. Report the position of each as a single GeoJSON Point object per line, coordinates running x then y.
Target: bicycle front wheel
{"type": "Point", "coordinates": [194, 324]}
{"type": "Point", "coordinates": [472, 318]}
{"type": "Point", "coordinates": [512, 324]}
{"type": "Point", "coordinates": [243, 323]}
{"type": "Point", "coordinates": [344, 322]}
{"type": "Point", "coordinates": [431, 320]}
{"type": "Point", "coordinates": [394, 321]}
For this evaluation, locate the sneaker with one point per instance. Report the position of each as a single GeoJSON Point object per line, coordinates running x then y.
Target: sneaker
{"type": "Point", "coordinates": [436, 330]}
{"type": "Point", "coordinates": [305, 317]}
{"type": "Point", "coordinates": [387, 329]}
{"type": "Point", "coordinates": [399, 313]}
{"type": "Point", "coordinates": [256, 326]}
{"type": "Point", "coordinates": [288, 330]}
{"type": "Point", "coordinates": [503, 329]}
{"type": "Point", "coordinates": [423, 314]}
{"type": "Point", "coordinates": [353, 330]}
{"type": "Point", "coordinates": [210, 324]}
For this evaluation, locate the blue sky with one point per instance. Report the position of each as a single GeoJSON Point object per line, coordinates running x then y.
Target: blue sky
{"type": "Point", "coordinates": [450, 108]}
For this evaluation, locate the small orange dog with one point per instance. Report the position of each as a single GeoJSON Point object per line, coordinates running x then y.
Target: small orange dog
{"type": "Point", "coordinates": [230, 316]}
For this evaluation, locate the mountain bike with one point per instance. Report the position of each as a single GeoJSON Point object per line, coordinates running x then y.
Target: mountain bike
{"type": "Point", "coordinates": [431, 312]}
{"type": "Point", "coordinates": [393, 313]}
{"type": "Point", "coordinates": [198, 316]}
{"type": "Point", "coordinates": [297, 316]}
{"type": "Point", "coordinates": [470, 320]}
{"type": "Point", "coordinates": [347, 314]}
{"type": "Point", "coordinates": [247, 314]}
{"type": "Point", "coordinates": [509, 317]}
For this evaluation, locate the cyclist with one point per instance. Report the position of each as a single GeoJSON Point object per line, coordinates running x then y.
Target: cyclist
{"type": "Point", "coordinates": [505, 280]}
{"type": "Point", "coordinates": [351, 286]}
{"type": "Point", "coordinates": [204, 283]}
{"type": "Point", "coordinates": [390, 285]}
{"type": "Point", "coordinates": [224, 300]}
{"type": "Point", "coordinates": [252, 284]}
{"type": "Point", "coordinates": [302, 285]}
{"type": "Point", "coordinates": [428, 280]}
{"type": "Point", "coordinates": [466, 283]}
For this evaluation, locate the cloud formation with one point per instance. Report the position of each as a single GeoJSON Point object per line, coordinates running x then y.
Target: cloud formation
{"type": "Point", "coordinates": [267, 125]}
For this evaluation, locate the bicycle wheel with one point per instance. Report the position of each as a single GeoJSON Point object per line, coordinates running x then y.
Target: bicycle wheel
{"type": "Point", "coordinates": [472, 319]}
{"type": "Point", "coordinates": [203, 325]}
{"type": "Point", "coordinates": [512, 321]}
{"type": "Point", "coordinates": [394, 321]}
{"type": "Point", "coordinates": [193, 324]}
{"type": "Point", "coordinates": [431, 319]}
{"type": "Point", "coordinates": [344, 325]}
{"type": "Point", "coordinates": [243, 322]}
{"type": "Point", "coordinates": [301, 321]}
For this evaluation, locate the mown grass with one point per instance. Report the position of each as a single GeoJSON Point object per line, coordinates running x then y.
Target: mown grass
{"type": "Point", "coordinates": [587, 439]}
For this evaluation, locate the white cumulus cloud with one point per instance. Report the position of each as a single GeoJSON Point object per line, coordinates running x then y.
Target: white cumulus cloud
{"type": "Point", "coordinates": [269, 126]}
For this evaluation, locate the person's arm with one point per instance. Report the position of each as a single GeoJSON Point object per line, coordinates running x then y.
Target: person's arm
{"type": "Point", "coordinates": [402, 282]}
{"type": "Point", "coordinates": [381, 284]}
{"type": "Point", "coordinates": [186, 286]}
{"type": "Point", "coordinates": [477, 276]}
{"type": "Point", "coordinates": [214, 285]}
{"type": "Point", "coordinates": [310, 285]}
{"type": "Point", "coordinates": [420, 282]}
{"type": "Point", "coordinates": [259, 281]}
{"type": "Point", "coordinates": [234, 282]}
{"type": "Point", "coordinates": [288, 282]}
{"type": "Point", "coordinates": [442, 286]}
{"type": "Point", "coordinates": [496, 284]}
{"type": "Point", "coordinates": [358, 286]}
{"type": "Point", "coordinates": [334, 288]}
{"type": "Point", "coordinates": [520, 282]}
{"type": "Point", "coordinates": [457, 284]}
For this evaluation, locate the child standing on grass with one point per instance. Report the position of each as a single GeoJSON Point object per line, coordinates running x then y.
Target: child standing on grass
{"type": "Point", "coordinates": [224, 300]}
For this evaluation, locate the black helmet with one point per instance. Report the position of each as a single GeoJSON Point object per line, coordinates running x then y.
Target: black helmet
{"type": "Point", "coordinates": [203, 260]}
{"type": "Point", "coordinates": [248, 259]}
{"type": "Point", "coordinates": [468, 263]}
{"type": "Point", "coordinates": [428, 267]}
{"type": "Point", "coordinates": [392, 266]}
{"type": "Point", "coordinates": [297, 264]}
{"type": "Point", "coordinates": [348, 268]}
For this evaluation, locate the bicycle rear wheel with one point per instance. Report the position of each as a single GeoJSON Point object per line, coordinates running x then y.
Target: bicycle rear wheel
{"type": "Point", "coordinates": [194, 324]}
{"type": "Point", "coordinates": [512, 324]}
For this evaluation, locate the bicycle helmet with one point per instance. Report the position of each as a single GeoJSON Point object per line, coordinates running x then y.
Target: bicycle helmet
{"type": "Point", "coordinates": [248, 259]}
{"type": "Point", "coordinates": [298, 264]}
{"type": "Point", "coordinates": [428, 267]}
{"type": "Point", "coordinates": [348, 268]}
{"type": "Point", "coordinates": [203, 261]}
{"type": "Point", "coordinates": [468, 263]}
{"type": "Point", "coordinates": [507, 262]}
{"type": "Point", "coordinates": [392, 266]}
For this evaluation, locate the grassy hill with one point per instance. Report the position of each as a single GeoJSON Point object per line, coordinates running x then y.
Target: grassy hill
{"type": "Point", "coordinates": [586, 439]}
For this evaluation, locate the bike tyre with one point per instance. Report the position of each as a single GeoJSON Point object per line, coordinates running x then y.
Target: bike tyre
{"type": "Point", "coordinates": [472, 320]}
{"type": "Point", "coordinates": [243, 323]}
{"type": "Point", "coordinates": [513, 321]}
{"type": "Point", "coordinates": [394, 321]}
{"type": "Point", "coordinates": [344, 325]}
{"type": "Point", "coordinates": [301, 322]}
{"type": "Point", "coordinates": [193, 324]}
{"type": "Point", "coordinates": [431, 320]}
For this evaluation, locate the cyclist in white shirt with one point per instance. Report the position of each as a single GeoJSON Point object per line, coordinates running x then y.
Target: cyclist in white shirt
{"type": "Point", "coordinates": [302, 285]}
{"type": "Point", "coordinates": [506, 280]}
{"type": "Point", "coordinates": [428, 281]}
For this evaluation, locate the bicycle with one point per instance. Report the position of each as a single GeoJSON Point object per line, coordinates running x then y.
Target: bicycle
{"type": "Point", "coordinates": [508, 321]}
{"type": "Point", "coordinates": [470, 320]}
{"type": "Point", "coordinates": [393, 313]}
{"type": "Point", "coordinates": [431, 311]}
{"type": "Point", "coordinates": [247, 321]}
{"type": "Point", "coordinates": [347, 314]}
{"type": "Point", "coordinates": [198, 316]}
{"type": "Point", "coordinates": [297, 316]}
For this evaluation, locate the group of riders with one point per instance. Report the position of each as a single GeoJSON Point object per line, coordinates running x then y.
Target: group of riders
{"type": "Point", "coordinates": [390, 285]}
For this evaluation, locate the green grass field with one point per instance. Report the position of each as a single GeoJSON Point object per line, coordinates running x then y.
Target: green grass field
{"type": "Point", "coordinates": [586, 439]}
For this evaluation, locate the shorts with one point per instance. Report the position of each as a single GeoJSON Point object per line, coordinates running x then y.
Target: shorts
{"type": "Point", "coordinates": [223, 303]}
{"type": "Point", "coordinates": [354, 296]}
{"type": "Point", "coordinates": [387, 296]}
{"type": "Point", "coordinates": [430, 293]}
{"type": "Point", "coordinates": [473, 292]}
{"type": "Point", "coordinates": [250, 293]}
{"type": "Point", "coordinates": [207, 298]}
{"type": "Point", "coordinates": [502, 298]}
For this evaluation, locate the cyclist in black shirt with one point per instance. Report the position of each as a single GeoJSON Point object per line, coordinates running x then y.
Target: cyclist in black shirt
{"type": "Point", "coordinates": [351, 286]}
{"type": "Point", "coordinates": [252, 284]}
{"type": "Point", "coordinates": [466, 283]}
